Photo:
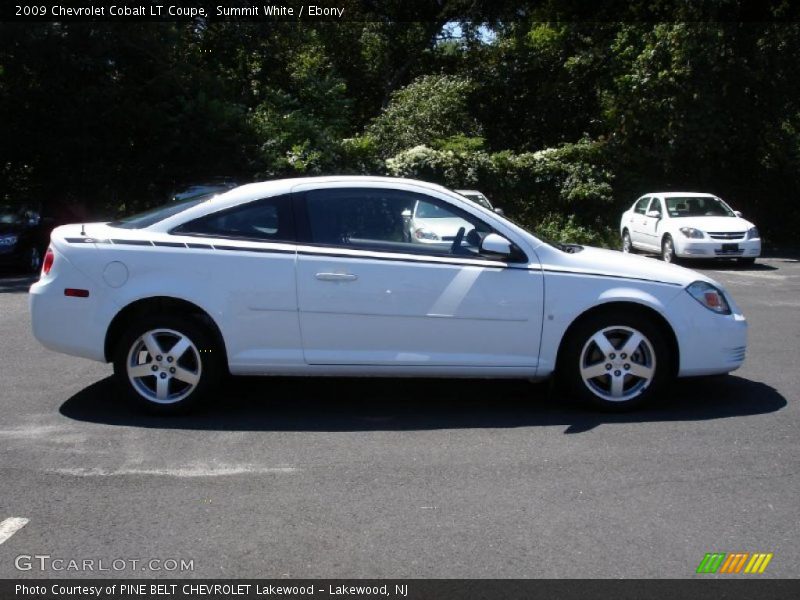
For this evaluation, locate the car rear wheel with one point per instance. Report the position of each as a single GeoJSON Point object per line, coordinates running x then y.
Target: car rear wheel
{"type": "Point", "coordinates": [747, 261]}
{"type": "Point", "coordinates": [615, 361]}
{"type": "Point", "coordinates": [627, 244]}
{"type": "Point", "coordinates": [668, 250]}
{"type": "Point", "coordinates": [167, 364]}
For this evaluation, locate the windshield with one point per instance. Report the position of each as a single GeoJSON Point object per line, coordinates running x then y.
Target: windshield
{"type": "Point", "coordinates": [426, 210]}
{"type": "Point", "coordinates": [10, 215]}
{"type": "Point", "coordinates": [159, 213]}
{"type": "Point", "coordinates": [697, 206]}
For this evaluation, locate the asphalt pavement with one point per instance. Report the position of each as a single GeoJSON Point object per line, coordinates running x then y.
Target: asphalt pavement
{"type": "Point", "coordinates": [301, 478]}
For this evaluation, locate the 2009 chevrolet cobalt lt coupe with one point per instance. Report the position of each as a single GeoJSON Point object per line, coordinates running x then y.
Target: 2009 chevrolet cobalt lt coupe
{"type": "Point", "coordinates": [318, 277]}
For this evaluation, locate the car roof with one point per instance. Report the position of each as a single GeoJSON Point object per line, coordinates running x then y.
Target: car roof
{"type": "Point", "coordinates": [682, 194]}
{"type": "Point", "coordinates": [285, 185]}
{"type": "Point", "coordinates": [263, 189]}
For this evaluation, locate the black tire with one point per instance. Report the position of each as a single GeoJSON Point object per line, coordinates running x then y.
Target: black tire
{"type": "Point", "coordinates": [668, 250]}
{"type": "Point", "coordinates": [202, 360]}
{"type": "Point", "coordinates": [747, 261]}
{"type": "Point", "coordinates": [627, 244]}
{"type": "Point", "coordinates": [33, 260]}
{"type": "Point", "coordinates": [580, 354]}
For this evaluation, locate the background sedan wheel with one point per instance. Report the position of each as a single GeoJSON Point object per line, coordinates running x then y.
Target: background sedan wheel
{"type": "Point", "coordinates": [616, 361]}
{"type": "Point", "coordinates": [167, 364]}
{"type": "Point", "coordinates": [627, 245]}
{"type": "Point", "coordinates": [34, 260]}
{"type": "Point", "coordinates": [668, 250]}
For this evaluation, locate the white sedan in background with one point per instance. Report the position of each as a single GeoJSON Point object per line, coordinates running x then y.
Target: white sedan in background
{"type": "Point", "coordinates": [314, 277]}
{"type": "Point", "coordinates": [688, 225]}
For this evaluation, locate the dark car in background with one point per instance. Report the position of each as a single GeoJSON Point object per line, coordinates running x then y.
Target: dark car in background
{"type": "Point", "coordinates": [23, 236]}
{"type": "Point", "coordinates": [25, 231]}
{"type": "Point", "coordinates": [196, 191]}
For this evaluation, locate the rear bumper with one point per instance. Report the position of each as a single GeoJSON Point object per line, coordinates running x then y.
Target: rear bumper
{"type": "Point", "coordinates": [70, 325]}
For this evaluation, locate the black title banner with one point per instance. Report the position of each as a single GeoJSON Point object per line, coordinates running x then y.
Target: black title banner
{"type": "Point", "coordinates": [411, 589]}
{"type": "Point", "coordinates": [396, 10]}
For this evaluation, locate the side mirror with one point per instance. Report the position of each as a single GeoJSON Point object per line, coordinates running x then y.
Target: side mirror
{"type": "Point", "coordinates": [738, 213]}
{"type": "Point", "coordinates": [499, 211]}
{"type": "Point", "coordinates": [497, 245]}
{"type": "Point", "coordinates": [654, 213]}
{"type": "Point", "coordinates": [406, 214]}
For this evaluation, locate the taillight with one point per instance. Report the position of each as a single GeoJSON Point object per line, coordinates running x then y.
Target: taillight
{"type": "Point", "coordinates": [47, 263]}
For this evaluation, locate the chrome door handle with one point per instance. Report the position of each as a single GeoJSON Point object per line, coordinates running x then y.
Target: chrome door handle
{"type": "Point", "coordinates": [336, 276]}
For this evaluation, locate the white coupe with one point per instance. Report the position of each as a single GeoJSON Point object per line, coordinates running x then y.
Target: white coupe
{"type": "Point", "coordinates": [316, 277]}
{"type": "Point", "coordinates": [688, 225]}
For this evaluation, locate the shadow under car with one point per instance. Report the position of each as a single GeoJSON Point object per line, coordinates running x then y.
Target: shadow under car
{"type": "Point", "coordinates": [367, 404]}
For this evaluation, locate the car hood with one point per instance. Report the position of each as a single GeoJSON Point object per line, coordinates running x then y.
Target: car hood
{"type": "Point", "coordinates": [619, 264]}
{"type": "Point", "coordinates": [714, 224]}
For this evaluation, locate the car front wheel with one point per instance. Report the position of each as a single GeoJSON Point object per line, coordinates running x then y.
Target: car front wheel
{"type": "Point", "coordinates": [167, 364]}
{"type": "Point", "coordinates": [615, 361]}
{"type": "Point", "coordinates": [668, 250]}
{"type": "Point", "coordinates": [627, 244]}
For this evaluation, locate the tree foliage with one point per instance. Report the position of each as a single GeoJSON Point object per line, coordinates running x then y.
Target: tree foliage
{"type": "Point", "coordinates": [432, 107]}
{"type": "Point", "coordinates": [562, 121]}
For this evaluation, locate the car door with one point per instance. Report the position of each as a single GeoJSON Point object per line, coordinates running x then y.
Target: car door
{"type": "Point", "coordinates": [367, 296]}
{"type": "Point", "coordinates": [637, 224]}
{"type": "Point", "coordinates": [650, 236]}
{"type": "Point", "coordinates": [244, 257]}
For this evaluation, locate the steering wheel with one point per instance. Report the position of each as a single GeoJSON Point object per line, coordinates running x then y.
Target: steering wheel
{"type": "Point", "coordinates": [457, 240]}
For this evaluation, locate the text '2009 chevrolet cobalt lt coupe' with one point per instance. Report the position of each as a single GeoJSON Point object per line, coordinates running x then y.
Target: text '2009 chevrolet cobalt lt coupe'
{"type": "Point", "coordinates": [319, 276]}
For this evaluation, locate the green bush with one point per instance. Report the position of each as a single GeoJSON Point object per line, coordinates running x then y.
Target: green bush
{"type": "Point", "coordinates": [431, 108]}
{"type": "Point", "coordinates": [560, 228]}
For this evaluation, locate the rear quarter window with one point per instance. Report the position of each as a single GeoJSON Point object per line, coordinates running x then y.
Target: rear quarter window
{"type": "Point", "coordinates": [270, 219]}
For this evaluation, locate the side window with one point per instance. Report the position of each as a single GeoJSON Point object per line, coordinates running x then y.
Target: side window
{"type": "Point", "coordinates": [641, 205]}
{"type": "Point", "coordinates": [655, 205]}
{"type": "Point", "coordinates": [270, 219]}
{"type": "Point", "coordinates": [393, 221]}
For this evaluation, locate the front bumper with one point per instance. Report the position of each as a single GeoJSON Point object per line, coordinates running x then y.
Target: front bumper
{"type": "Point", "coordinates": [709, 343]}
{"type": "Point", "coordinates": [711, 248]}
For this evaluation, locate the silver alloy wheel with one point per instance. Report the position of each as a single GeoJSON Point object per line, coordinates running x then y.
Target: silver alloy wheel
{"type": "Point", "coordinates": [164, 366]}
{"type": "Point", "coordinates": [668, 250]}
{"type": "Point", "coordinates": [35, 259]}
{"type": "Point", "coordinates": [626, 242]}
{"type": "Point", "coordinates": [617, 363]}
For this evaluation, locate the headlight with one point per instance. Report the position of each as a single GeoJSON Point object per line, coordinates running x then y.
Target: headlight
{"type": "Point", "coordinates": [752, 233]}
{"type": "Point", "coordinates": [424, 234]}
{"type": "Point", "coordinates": [8, 240]}
{"type": "Point", "coordinates": [710, 297]}
{"type": "Point", "coordinates": [691, 232]}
